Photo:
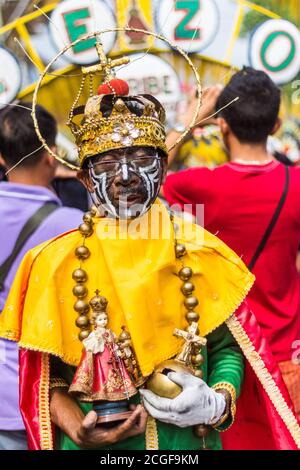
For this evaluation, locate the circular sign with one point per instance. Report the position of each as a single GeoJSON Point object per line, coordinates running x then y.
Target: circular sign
{"type": "Point", "coordinates": [275, 48]}
{"type": "Point", "coordinates": [149, 74]}
{"type": "Point", "coordinates": [73, 19]}
{"type": "Point", "coordinates": [10, 77]}
{"type": "Point", "coordinates": [190, 24]}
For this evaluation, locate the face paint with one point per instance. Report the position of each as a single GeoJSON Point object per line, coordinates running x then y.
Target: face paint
{"type": "Point", "coordinates": [138, 178]}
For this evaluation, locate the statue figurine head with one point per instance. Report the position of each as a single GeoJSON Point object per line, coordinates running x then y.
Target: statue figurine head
{"type": "Point", "coordinates": [100, 319]}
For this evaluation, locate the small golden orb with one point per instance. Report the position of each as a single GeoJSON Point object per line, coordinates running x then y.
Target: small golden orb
{"type": "Point", "coordinates": [80, 291]}
{"type": "Point", "coordinates": [185, 273]}
{"type": "Point", "coordinates": [191, 302]}
{"type": "Point", "coordinates": [201, 430]}
{"type": "Point", "coordinates": [192, 316]}
{"type": "Point", "coordinates": [197, 359]}
{"type": "Point", "coordinates": [180, 250]}
{"type": "Point", "coordinates": [82, 252]}
{"type": "Point", "coordinates": [82, 321]}
{"type": "Point", "coordinates": [81, 306]}
{"type": "Point", "coordinates": [93, 211]}
{"type": "Point", "coordinates": [83, 334]}
{"type": "Point", "coordinates": [85, 229]}
{"type": "Point", "coordinates": [79, 275]}
{"type": "Point", "coordinates": [88, 218]}
{"type": "Point", "coordinates": [187, 288]}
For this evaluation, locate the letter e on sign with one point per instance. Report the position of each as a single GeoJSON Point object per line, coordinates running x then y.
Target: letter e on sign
{"type": "Point", "coordinates": [73, 19]}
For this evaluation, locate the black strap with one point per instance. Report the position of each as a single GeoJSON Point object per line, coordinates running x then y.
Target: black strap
{"type": "Point", "coordinates": [29, 228]}
{"type": "Point", "coordinates": [274, 219]}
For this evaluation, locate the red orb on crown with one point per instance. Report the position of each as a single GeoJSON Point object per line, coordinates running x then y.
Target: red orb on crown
{"type": "Point", "coordinates": [114, 86]}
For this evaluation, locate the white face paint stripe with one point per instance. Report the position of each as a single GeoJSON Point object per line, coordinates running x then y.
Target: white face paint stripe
{"type": "Point", "coordinates": [125, 171]}
{"type": "Point", "coordinates": [99, 182]}
{"type": "Point", "coordinates": [150, 175]}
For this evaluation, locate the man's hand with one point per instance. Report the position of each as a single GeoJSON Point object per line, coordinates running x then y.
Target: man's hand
{"type": "Point", "coordinates": [90, 435]}
{"type": "Point", "coordinates": [83, 430]}
{"type": "Point", "coordinates": [196, 404]}
{"type": "Point", "coordinates": [208, 107]}
{"type": "Point", "coordinates": [209, 100]}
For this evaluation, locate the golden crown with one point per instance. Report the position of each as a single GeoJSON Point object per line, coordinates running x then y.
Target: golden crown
{"type": "Point", "coordinates": [112, 119]}
{"type": "Point", "coordinates": [97, 134]}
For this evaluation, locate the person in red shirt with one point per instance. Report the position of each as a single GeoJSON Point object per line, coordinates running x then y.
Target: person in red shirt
{"type": "Point", "coordinates": [240, 199]}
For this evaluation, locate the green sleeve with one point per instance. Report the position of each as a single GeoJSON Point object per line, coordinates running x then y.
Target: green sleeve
{"type": "Point", "coordinates": [61, 371]}
{"type": "Point", "coordinates": [225, 364]}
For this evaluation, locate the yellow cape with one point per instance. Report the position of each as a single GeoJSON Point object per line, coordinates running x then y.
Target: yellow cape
{"type": "Point", "coordinates": [137, 276]}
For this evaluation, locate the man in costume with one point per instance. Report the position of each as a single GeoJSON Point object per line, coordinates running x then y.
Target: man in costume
{"type": "Point", "coordinates": [188, 283]}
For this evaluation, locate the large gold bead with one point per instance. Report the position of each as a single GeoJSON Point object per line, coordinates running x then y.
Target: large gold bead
{"type": "Point", "coordinates": [82, 252]}
{"type": "Point", "coordinates": [80, 291]}
{"type": "Point", "coordinates": [86, 229]}
{"type": "Point", "coordinates": [83, 334]}
{"type": "Point", "coordinates": [197, 359]}
{"type": "Point", "coordinates": [180, 250]}
{"type": "Point", "coordinates": [82, 321]}
{"type": "Point", "coordinates": [185, 273]}
{"type": "Point", "coordinates": [81, 306]}
{"type": "Point", "coordinates": [161, 385]}
{"type": "Point", "coordinates": [187, 288]}
{"type": "Point", "coordinates": [201, 430]}
{"type": "Point", "coordinates": [198, 373]}
{"type": "Point", "coordinates": [93, 211]}
{"type": "Point", "coordinates": [192, 316]}
{"type": "Point", "coordinates": [79, 275]}
{"type": "Point", "coordinates": [191, 302]}
{"type": "Point", "coordinates": [88, 218]}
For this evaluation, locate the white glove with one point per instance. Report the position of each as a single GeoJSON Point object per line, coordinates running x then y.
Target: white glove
{"type": "Point", "coordinates": [196, 404]}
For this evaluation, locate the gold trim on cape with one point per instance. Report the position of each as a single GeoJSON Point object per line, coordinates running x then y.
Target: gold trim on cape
{"type": "Point", "coordinates": [46, 438]}
{"type": "Point", "coordinates": [151, 434]}
{"type": "Point", "coordinates": [265, 378]}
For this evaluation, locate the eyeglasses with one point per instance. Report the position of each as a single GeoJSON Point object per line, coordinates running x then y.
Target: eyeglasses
{"type": "Point", "coordinates": [134, 163]}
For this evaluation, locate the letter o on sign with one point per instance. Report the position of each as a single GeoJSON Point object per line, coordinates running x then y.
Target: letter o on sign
{"type": "Point", "coordinates": [275, 48]}
{"type": "Point", "coordinates": [10, 77]}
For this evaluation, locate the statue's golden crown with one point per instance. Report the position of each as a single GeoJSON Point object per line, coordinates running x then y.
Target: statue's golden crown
{"type": "Point", "coordinates": [110, 122]}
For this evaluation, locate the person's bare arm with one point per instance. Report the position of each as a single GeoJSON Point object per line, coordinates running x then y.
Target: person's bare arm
{"type": "Point", "coordinates": [209, 100]}
{"type": "Point", "coordinates": [83, 430]}
{"type": "Point", "coordinates": [298, 262]}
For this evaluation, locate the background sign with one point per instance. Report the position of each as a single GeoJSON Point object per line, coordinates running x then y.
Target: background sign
{"type": "Point", "coordinates": [151, 74]}
{"type": "Point", "coordinates": [73, 19]}
{"type": "Point", "coordinates": [190, 24]}
{"type": "Point", "coordinates": [275, 48]}
{"type": "Point", "coordinates": [10, 77]}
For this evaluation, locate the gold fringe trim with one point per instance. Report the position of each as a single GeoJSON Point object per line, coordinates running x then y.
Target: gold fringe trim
{"type": "Point", "coordinates": [44, 405]}
{"type": "Point", "coordinates": [231, 390]}
{"type": "Point", "coordinates": [151, 434]}
{"type": "Point", "coordinates": [265, 378]}
{"type": "Point", "coordinates": [57, 382]}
